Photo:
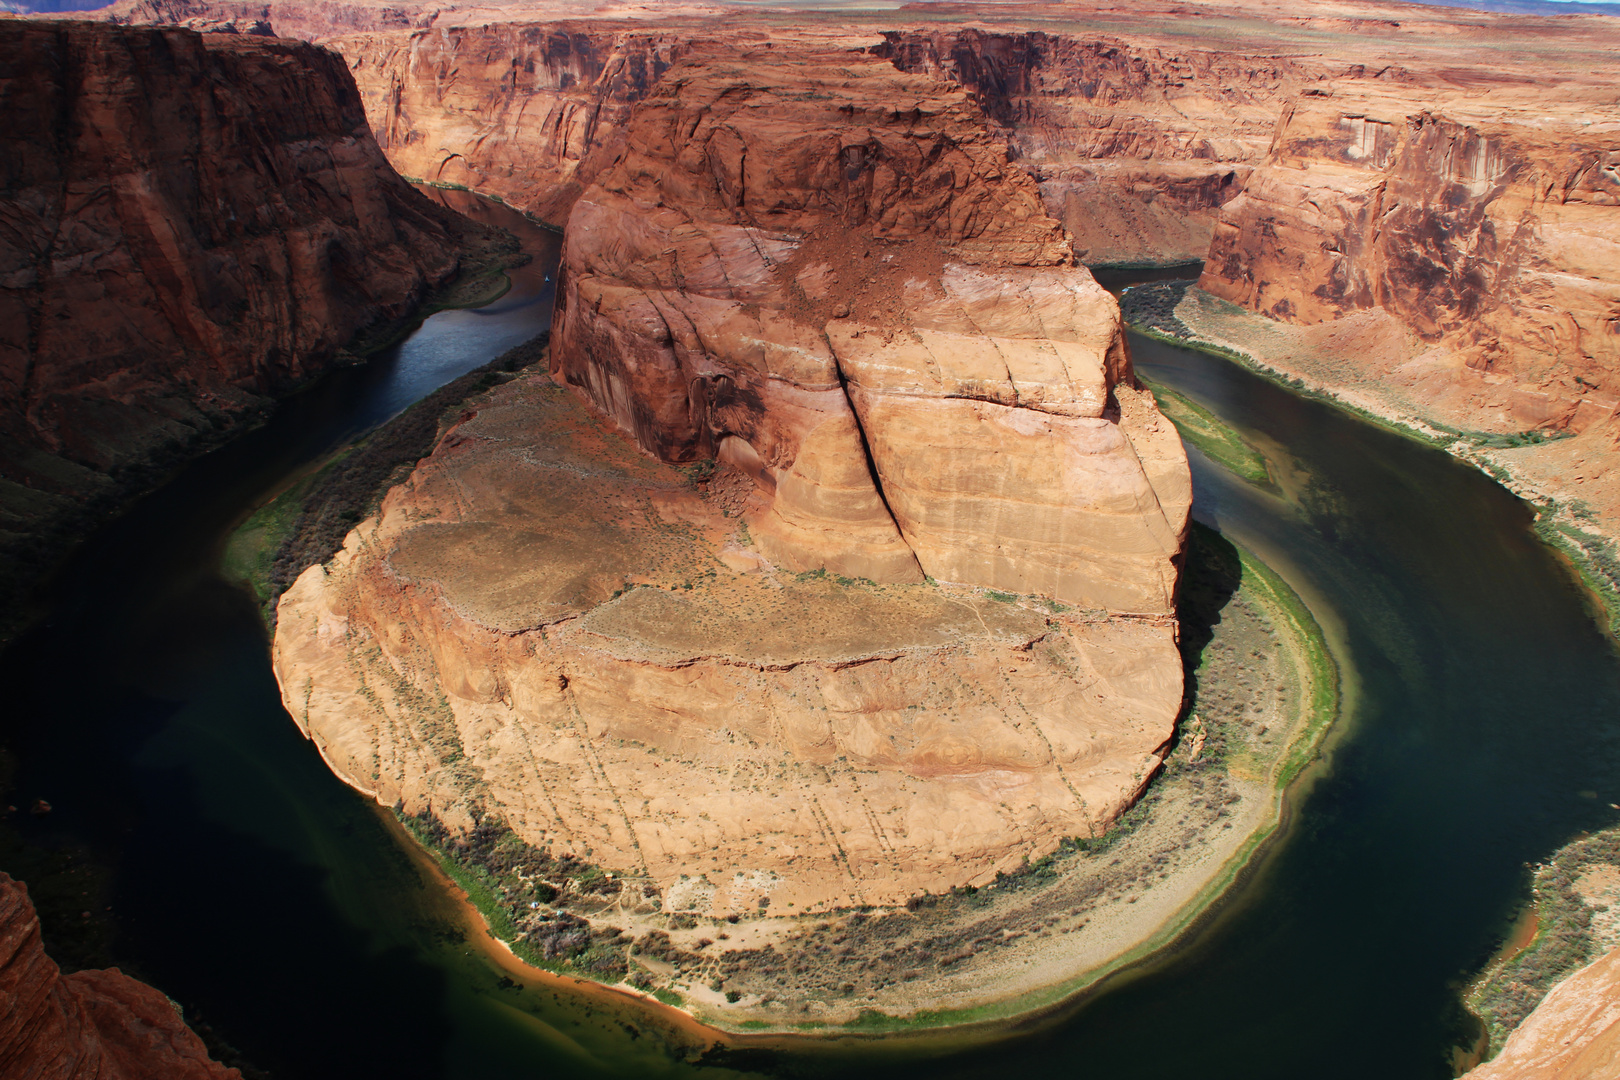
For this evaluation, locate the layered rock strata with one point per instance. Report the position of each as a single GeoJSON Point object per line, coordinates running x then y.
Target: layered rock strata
{"type": "Point", "coordinates": [90, 1025]}
{"type": "Point", "coordinates": [188, 225]}
{"type": "Point", "coordinates": [529, 113]}
{"type": "Point", "coordinates": [1491, 235]}
{"type": "Point", "coordinates": [826, 272]}
{"type": "Point", "coordinates": [1136, 146]}
{"type": "Point", "coordinates": [820, 276]}
{"type": "Point", "coordinates": [546, 627]}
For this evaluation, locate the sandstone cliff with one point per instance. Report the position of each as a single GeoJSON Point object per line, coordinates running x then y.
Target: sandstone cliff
{"type": "Point", "coordinates": [526, 112]}
{"type": "Point", "coordinates": [91, 1025]}
{"type": "Point", "coordinates": [1491, 234]}
{"type": "Point", "coordinates": [545, 627]}
{"type": "Point", "coordinates": [1136, 146]}
{"type": "Point", "coordinates": [190, 225]}
{"type": "Point", "coordinates": [733, 684]}
{"type": "Point", "coordinates": [826, 272]}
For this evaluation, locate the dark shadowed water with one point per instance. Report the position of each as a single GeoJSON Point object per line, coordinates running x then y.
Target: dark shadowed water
{"type": "Point", "coordinates": [1483, 731]}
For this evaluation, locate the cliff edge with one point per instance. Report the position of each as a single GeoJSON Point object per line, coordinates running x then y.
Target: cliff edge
{"type": "Point", "coordinates": [91, 1025]}
{"type": "Point", "coordinates": [189, 225]}
{"type": "Point", "coordinates": [847, 570]}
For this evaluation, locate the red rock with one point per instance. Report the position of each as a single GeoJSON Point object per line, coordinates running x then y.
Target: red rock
{"type": "Point", "coordinates": [1489, 232]}
{"type": "Point", "coordinates": [91, 1025]}
{"type": "Point", "coordinates": [188, 225]}
{"type": "Point", "coordinates": [1574, 1034]}
{"type": "Point", "coordinates": [827, 272]}
{"type": "Point", "coordinates": [530, 113]}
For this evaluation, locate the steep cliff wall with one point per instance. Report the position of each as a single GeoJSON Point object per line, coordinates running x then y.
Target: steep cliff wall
{"type": "Point", "coordinates": [526, 112]}
{"type": "Point", "coordinates": [1136, 146]}
{"type": "Point", "coordinates": [91, 1025]}
{"type": "Point", "coordinates": [306, 19]}
{"type": "Point", "coordinates": [544, 627]}
{"type": "Point", "coordinates": [188, 225]}
{"type": "Point", "coordinates": [1492, 236]}
{"type": "Point", "coordinates": [827, 272]}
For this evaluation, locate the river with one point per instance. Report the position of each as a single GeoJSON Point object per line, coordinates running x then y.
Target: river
{"type": "Point", "coordinates": [1482, 731]}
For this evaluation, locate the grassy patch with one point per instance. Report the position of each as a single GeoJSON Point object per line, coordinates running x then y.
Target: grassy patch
{"type": "Point", "coordinates": [1509, 989]}
{"type": "Point", "coordinates": [1217, 440]}
{"type": "Point", "coordinates": [306, 524]}
{"type": "Point", "coordinates": [1595, 557]}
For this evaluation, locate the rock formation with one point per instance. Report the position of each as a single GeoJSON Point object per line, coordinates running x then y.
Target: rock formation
{"type": "Point", "coordinates": [90, 1025]}
{"type": "Point", "coordinates": [1574, 1034]}
{"type": "Point", "coordinates": [188, 224]}
{"type": "Point", "coordinates": [824, 274]}
{"type": "Point", "coordinates": [1142, 127]}
{"type": "Point", "coordinates": [1492, 234]}
{"type": "Point", "coordinates": [529, 113]}
{"type": "Point", "coordinates": [1136, 148]}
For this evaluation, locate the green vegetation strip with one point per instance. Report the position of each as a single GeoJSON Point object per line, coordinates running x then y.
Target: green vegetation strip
{"type": "Point", "coordinates": [306, 524]}
{"type": "Point", "coordinates": [1511, 987]}
{"type": "Point", "coordinates": [1217, 440]}
{"type": "Point", "coordinates": [1211, 556]}
{"type": "Point", "coordinates": [524, 893]}
{"type": "Point", "coordinates": [1596, 559]}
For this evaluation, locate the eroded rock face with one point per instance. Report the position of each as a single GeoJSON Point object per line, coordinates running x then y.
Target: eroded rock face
{"type": "Point", "coordinates": [307, 19]}
{"type": "Point", "coordinates": [1136, 145]}
{"type": "Point", "coordinates": [547, 627]}
{"type": "Point", "coordinates": [191, 224]}
{"type": "Point", "coordinates": [1493, 237]}
{"type": "Point", "coordinates": [526, 112]}
{"type": "Point", "coordinates": [1574, 1034]}
{"type": "Point", "coordinates": [826, 272]}
{"type": "Point", "coordinates": [91, 1025]}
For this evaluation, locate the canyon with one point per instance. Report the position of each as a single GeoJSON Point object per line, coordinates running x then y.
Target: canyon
{"type": "Point", "coordinates": [821, 603]}
{"type": "Point", "coordinates": [1385, 179]}
{"type": "Point", "coordinates": [1435, 216]}
{"type": "Point", "coordinates": [192, 226]}
{"type": "Point", "coordinates": [90, 1025]}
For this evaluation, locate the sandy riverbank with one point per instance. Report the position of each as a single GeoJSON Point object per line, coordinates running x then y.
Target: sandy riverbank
{"type": "Point", "coordinates": [1267, 692]}
{"type": "Point", "coordinates": [1371, 365]}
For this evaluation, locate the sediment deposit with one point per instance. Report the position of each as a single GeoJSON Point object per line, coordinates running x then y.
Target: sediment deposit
{"type": "Point", "coordinates": [90, 1025]}
{"type": "Point", "coordinates": [191, 224]}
